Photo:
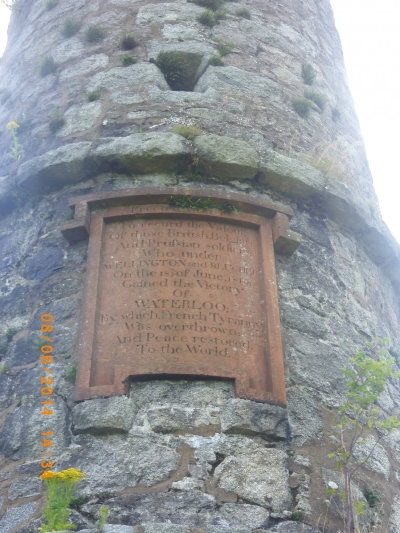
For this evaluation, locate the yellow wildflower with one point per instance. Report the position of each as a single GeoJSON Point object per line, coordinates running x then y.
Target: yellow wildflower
{"type": "Point", "coordinates": [46, 474]}
{"type": "Point", "coordinates": [71, 474]}
{"type": "Point", "coordinates": [12, 126]}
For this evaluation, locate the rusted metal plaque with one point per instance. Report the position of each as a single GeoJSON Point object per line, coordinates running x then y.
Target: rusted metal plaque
{"type": "Point", "coordinates": [177, 293]}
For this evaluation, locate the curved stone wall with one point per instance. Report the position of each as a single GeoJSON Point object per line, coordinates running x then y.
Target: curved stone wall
{"type": "Point", "coordinates": [178, 455]}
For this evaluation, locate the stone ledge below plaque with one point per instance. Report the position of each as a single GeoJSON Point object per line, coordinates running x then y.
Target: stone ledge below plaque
{"type": "Point", "coordinates": [177, 292]}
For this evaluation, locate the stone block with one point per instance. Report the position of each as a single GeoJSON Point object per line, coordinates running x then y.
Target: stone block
{"type": "Point", "coordinates": [394, 523]}
{"type": "Point", "coordinates": [226, 157]}
{"type": "Point", "coordinates": [234, 80]}
{"type": "Point", "coordinates": [245, 515]}
{"type": "Point", "coordinates": [115, 462]}
{"type": "Point", "coordinates": [115, 528]}
{"type": "Point", "coordinates": [6, 390]}
{"type": "Point", "coordinates": [108, 415]}
{"type": "Point", "coordinates": [42, 265]}
{"type": "Point", "coordinates": [85, 66]}
{"type": "Point", "coordinates": [26, 488]}
{"type": "Point", "coordinates": [378, 458]}
{"type": "Point", "coordinates": [55, 168]}
{"type": "Point", "coordinates": [252, 418]}
{"type": "Point", "coordinates": [292, 527]}
{"type": "Point", "coordinates": [168, 12]}
{"type": "Point", "coordinates": [143, 153]}
{"type": "Point", "coordinates": [15, 516]}
{"type": "Point", "coordinates": [167, 419]}
{"type": "Point", "coordinates": [138, 74]}
{"type": "Point", "coordinates": [260, 478]}
{"type": "Point", "coordinates": [79, 118]}
{"type": "Point", "coordinates": [290, 176]}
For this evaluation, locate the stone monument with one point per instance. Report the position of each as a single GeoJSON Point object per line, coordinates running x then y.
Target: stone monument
{"type": "Point", "coordinates": [191, 251]}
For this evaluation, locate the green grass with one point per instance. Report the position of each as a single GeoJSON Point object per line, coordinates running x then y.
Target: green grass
{"type": "Point", "coordinates": [302, 106]}
{"type": "Point", "coordinates": [189, 132]}
{"type": "Point", "coordinates": [297, 516]}
{"type": "Point", "coordinates": [201, 204]}
{"type": "Point", "coordinates": [70, 27]}
{"type": "Point", "coordinates": [128, 41]}
{"type": "Point", "coordinates": [127, 60]}
{"type": "Point", "coordinates": [244, 13]}
{"type": "Point", "coordinates": [318, 99]}
{"type": "Point", "coordinates": [372, 498]}
{"type": "Point", "coordinates": [93, 96]}
{"type": "Point", "coordinates": [207, 18]}
{"type": "Point", "coordinates": [220, 14]}
{"type": "Point", "coordinates": [225, 48]}
{"type": "Point", "coordinates": [3, 348]}
{"type": "Point", "coordinates": [308, 73]}
{"type": "Point", "coordinates": [4, 369]}
{"type": "Point", "coordinates": [209, 4]}
{"type": "Point", "coordinates": [70, 372]}
{"type": "Point", "coordinates": [56, 122]}
{"type": "Point", "coordinates": [51, 4]}
{"type": "Point", "coordinates": [9, 333]}
{"type": "Point", "coordinates": [216, 61]}
{"type": "Point", "coordinates": [95, 33]}
{"type": "Point", "coordinates": [47, 66]}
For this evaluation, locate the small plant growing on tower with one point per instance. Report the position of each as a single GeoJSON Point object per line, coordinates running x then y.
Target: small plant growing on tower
{"type": "Point", "coordinates": [244, 13]}
{"type": "Point", "coordinates": [207, 18]}
{"type": "Point", "coordinates": [47, 66]}
{"type": "Point", "coordinates": [308, 73]}
{"type": "Point", "coordinates": [128, 59]}
{"type": "Point", "coordinates": [128, 41]}
{"type": "Point", "coordinates": [189, 132]}
{"type": "Point", "coordinates": [225, 48]}
{"type": "Point", "coordinates": [360, 417]}
{"type": "Point", "coordinates": [93, 96]}
{"type": "Point", "coordinates": [60, 487]}
{"type": "Point", "coordinates": [9, 333]}
{"type": "Point", "coordinates": [70, 27]}
{"type": "Point", "coordinates": [95, 33]}
{"type": "Point", "coordinates": [318, 99]}
{"type": "Point", "coordinates": [303, 107]}
{"type": "Point", "coordinates": [209, 4]}
{"type": "Point", "coordinates": [17, 152]}
{"type": "Point", "coordinates": [56, 122]}
{"type": "Point", "coordinates": [103, 515]}
{"type": "Point", "coordinates": [216, 61]}
{"type": "Point", "coordinates": [70, 373]}
{"type": "Point", "coordinates": [51, 4]}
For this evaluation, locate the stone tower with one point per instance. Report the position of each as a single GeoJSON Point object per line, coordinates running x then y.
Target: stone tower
{"type": "Point", "coordinates": [239, 108]}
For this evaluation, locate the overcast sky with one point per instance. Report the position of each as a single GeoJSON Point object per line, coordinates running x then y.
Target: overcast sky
{"type": "Point", "coordinates": [370, 33]}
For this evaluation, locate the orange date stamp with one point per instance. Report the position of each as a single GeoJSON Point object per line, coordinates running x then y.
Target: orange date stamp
{"type": "Point", "coordinates": [46, 382]}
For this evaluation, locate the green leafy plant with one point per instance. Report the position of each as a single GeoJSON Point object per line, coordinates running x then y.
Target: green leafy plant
{"type": "Point", "coordinates": [57, 121]}
{"type": "Point", "coordinates": [372, 498]}
{"type": "Point", "coordinates": [17, 152]}
{"type": "Point", "coordinates": [9, 333]}
{"type": "Point", "coordinates": [77, 501]}
{"type": "Point", "coordinates": [225, 48]}
{"type": "Point", "coordinates": [243, 12]}
{"type": "Point", "coordinates": [199, 204]}
{"type": "Point", "coordinates": [189, 132]}
{"type": "Point", "coordinates": [127, 60]}
{"type": "Point", "coordinates": [60, 487]}
{"type": "Point", "coordinates": [70, 372]}
{"type": "Point", "coordinates": [3, 348]}
{"type": "Point", "coordinates": [317, 98]}
{"type": "Point", "coordinates": [179, 69]}
{"type": "Point", "coordinates": [93, 96]}
{"type": "Point", "coordinates": [70, 27]}
{"type": "Point", "coordinates": [209, 4]}
{"type": "Point", "coordinates": [47, 66]}
{"type": "Point", "coordinates": [4, 369]}
{"type": "Point", "coordinates": [128, 41]}
{"type": "Point", "coordinates": [220, 14]}
{"type": "Point", "coordinates": [216, 61]}
{"type": "Point", "coordinates": [103, 515]}
{"type": "Point", "coordinates": [51, 4]}
{"type": "Point", "coordinates": [38, 343]}
{"type": "Point", "coordinates": [297, 516]}
{"type": "Point", "coordinates": [308, 73]}
{"type": "Point", "coordinates": [360, 417]}
{"type": "Point", "coordinates": [207, 18]}
{"type": "Point", "coordinates": [95, 33]}
{"type": "Point", "coordinates": [302, 106]}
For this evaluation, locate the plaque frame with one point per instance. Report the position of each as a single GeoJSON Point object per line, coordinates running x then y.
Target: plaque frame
{"type": "Point", "coordinates": [270, 223]}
